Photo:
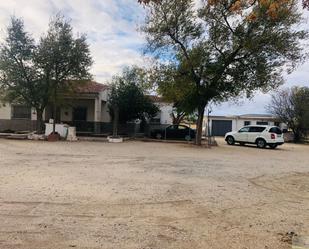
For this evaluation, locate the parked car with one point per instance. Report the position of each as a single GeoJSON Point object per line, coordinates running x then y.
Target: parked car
{"type": "Point", "coordinates": [174, 132]}
{"type": "Point", "coordinates": [261, 135]}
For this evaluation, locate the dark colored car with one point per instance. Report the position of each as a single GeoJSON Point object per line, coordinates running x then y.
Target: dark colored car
{"type": "Point", "coordinates": [174, 132]}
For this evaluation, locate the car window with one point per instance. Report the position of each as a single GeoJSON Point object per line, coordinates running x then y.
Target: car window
{"type": "Point", "coordinates": [257, 129]}
{"type": "Point", "coordinates": [245, 129]}
{"type": "Point", "coordinates": [172, 127]}
{"type": "Point", "coordinates": [181, 127]}
{"type": "Point", "coordinates": [276, 130]}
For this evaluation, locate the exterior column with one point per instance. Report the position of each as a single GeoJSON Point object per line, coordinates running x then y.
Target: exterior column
{"type": "Point", "coordinates": [97, 115]}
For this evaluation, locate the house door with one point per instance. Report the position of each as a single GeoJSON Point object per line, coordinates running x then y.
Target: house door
{"type": "Point", "coordinates": [80, 114]}
{"type": "Point", "coordinates": [221, 127]}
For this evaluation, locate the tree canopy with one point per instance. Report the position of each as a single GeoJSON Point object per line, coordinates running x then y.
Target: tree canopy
{"type": "Point", "coordinates": [33, 73]}
{"type": "Point", "coordinates": [174, 89]}
{"type": "Point", "coordinates": [63, 58]}
{"type": "Point", "coordinates": [21, 79]}
{"type": "Point", "coordinates": [225, 48]}
{"type": "Point", "coordinates": [127, 98]}
{"type": "Point", "coordinates": [305, 3]}
{"type": "Point", "coordinates": [291, 106]}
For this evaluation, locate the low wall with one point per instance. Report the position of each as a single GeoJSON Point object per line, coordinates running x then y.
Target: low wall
{"type": "Point", "coordinates": [82, 127]}
{"type": "Point", "coordinates": [17, 125]}
{"type": "Point", "coordinates": [104, 128]}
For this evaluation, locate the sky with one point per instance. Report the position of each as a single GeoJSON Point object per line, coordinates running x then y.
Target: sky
{"type": "Point", "coordinates": [115, 42]}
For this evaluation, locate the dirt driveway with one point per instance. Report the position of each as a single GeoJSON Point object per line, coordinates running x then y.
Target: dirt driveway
{"type": "Point", "coordinates": [151, 196]}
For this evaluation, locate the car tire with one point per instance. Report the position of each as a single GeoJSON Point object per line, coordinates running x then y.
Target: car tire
{"type": "Point", "coordinates": [261, 143]}
{"type": "Point", "coordinates": [230, 140]}
{"type": "Point", "coordinates": [273, 146]}
{"type": "Point", "coordinates": [158, 136]}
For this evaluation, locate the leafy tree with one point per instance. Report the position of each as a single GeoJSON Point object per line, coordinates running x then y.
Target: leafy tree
{"type": "Point", "coordinates": [127, 100]}
{"type": "Point", "coordinates": [33, 74]}
{"type": "Point", "coordinates": [20, 77]}
{"type": "Point", "coordinates": [291, 106]}
{"type": "Point", "coordinates": [224, 48]}
{"type": "Point", "coordinates": [305, 3]}
{"type": "Point", "coordinates": [171, 86]}
{"type": "Point", "coordinates": [63, 58]}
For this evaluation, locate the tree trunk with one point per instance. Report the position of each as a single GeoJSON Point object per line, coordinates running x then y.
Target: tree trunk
{"type": "Point", "coordinates": [178, 118]}
{"type": "Point", "coordinates": [297, 136]}
{"type": "Point", "coordinates": [115, 121]}
{"type": "Point", "coordinates": [199, 125]}
{"type": "Point", "coordinates": [39, 122]}
{"type": "Point", "coordinates": [55, 110]}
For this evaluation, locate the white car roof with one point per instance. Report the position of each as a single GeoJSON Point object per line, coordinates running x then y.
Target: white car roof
{"type": "Point", "coordinates": [260, 126]}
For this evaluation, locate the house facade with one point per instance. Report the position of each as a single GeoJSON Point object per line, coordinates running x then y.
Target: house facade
{"type": "Point", "coordinates": [220, 125]}
{"type": "Point", "coordinates": [17, 118]}
{"type": "Point", "coordinates": [87, 110]}
{"type": "Point", "coordinates": [164, 116]}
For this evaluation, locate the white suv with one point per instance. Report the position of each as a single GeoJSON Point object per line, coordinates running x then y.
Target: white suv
{"type": "Point", "coordinates": [261, 135]}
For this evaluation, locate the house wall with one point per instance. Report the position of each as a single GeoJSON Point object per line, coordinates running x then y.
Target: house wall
{"type": "Point", "coordinates": [165, 113]}
{"type": "Point", "coordinates": [5, 111]}
{"type": "Point", "coordinates": [105, 117]}
{"type": "Point", "coordinates": [239, 123]}
{"type": "Point", "coordinates": [7, 123]}
{"type": "Point", "coordinates": [66, 112]}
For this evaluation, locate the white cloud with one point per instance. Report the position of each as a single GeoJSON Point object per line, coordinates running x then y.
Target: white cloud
{"type": "Point", "coordinates": [110, 26]}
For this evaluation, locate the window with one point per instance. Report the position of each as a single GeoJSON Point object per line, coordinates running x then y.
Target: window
{"type": "Point", "coordinates": [257, 129]}
{"type": "Point", "coordinates": [275, 130]}
{"type": "Point", "coordinates": [21, 112]}
{"type": "Point", "coordinates": [246, 123]}
{"type": "Point", "coordinates": [262, 123]}
{"type": "Point", "coordinates": [245, 129]}
{"type": "Point", "coordinates": [172, 127]}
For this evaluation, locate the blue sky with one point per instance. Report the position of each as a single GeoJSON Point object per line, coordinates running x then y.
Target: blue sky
{"type": "Point", "coordinates": [111, 27]}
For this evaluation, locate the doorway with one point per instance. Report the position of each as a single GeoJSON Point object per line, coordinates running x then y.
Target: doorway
{"type": "Point", "coordinates": [80, 114]}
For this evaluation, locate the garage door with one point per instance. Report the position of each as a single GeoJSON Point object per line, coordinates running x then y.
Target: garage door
{"type": "Point", "coordinates": [220, 127]}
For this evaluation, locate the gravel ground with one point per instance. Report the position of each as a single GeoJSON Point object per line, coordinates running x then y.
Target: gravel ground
{"type": "Point", "coordinates": [143, 195]}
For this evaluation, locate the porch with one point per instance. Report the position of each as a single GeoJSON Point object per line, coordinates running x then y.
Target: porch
{"type": "Point", "coordinates": [86, 112]}
{"type": "Point", "coordinates": [90, 116]}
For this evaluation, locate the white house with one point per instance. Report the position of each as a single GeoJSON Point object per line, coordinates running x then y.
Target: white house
{"type": "Point", "coordinates": [87, 110]}
{"type": "Point", "coordinates": [219, 125]}
{"type": "Point", "coordinates": [164, 117]}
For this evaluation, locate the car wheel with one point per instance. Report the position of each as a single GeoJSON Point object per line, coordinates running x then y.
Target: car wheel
{"type": "Point", "coordinates": [273, 146]}
{"type": "Point", "coordinates": [158, 136]}
{"type": "Point", "coordinates": [261, 143]}
{"type": "Point", "coordinates": [230, 140]}
{"type": "Point", "coordinates": [188, 138]}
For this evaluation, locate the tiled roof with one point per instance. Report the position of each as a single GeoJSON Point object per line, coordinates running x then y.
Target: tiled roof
{"type": "Point", "coordinates": [157, 99]}
{"type": "Point", "coordinates": [91, 87]}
